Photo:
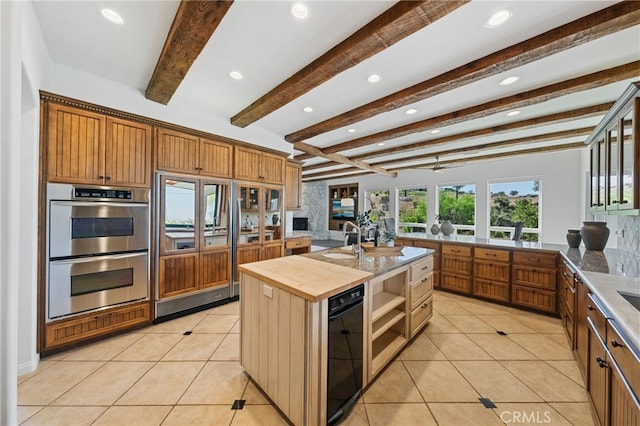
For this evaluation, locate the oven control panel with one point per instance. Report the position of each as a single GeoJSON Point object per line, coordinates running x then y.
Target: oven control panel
{"type": "Point", "coordinates": [119, 194]}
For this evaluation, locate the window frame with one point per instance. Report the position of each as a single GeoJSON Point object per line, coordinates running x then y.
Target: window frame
{"type": "Point", "coordinates": [457, 227]}
{"type": "Point", "coordinates": [511, 229]}
{"type": "Point", "coordinates": [399, 224]}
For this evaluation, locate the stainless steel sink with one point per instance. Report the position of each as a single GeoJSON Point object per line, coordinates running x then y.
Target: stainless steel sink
{"type": "Point", "coordinates": [634, 299]}
{"type": "Point", "coordinates": [338, 255]}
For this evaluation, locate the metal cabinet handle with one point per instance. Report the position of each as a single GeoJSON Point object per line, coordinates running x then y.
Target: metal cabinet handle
{"type": "Point", "coordinates": [100, 177]}
{"type": "Point", "coordinates": [108, 177]}
{"type": "Point", "coordinates": [601, 362]}
{"type": "Point", "coordinates": [615, 344]}
{"type": "Point", "coordinates": [424, 305]}
{"type": "Point", "coordinates": [591, 308]}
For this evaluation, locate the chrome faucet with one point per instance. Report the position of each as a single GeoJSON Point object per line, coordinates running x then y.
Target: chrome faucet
{"type": "Point", "coordinates": [354, 250]}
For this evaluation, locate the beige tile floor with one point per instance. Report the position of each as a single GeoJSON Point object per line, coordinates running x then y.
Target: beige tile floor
{"type": "Point", "coordinates": [159, 376]}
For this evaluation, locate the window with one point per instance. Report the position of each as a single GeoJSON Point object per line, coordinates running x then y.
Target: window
{"type": "Point", "coordinates": [513, 202]}
{"type": "Point", "coordinates": [457, 203]}
{"type": "Point", "coordinates": [411, 203]}
{"type": "Point", "coordinates": [378, 202]}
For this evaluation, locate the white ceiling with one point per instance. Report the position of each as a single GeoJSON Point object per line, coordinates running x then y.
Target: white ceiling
{"type": "Point", "coordinates": [263, 42]}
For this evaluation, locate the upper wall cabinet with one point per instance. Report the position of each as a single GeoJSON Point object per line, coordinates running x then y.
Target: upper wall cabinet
{"type": "Point", "coordinates": [258, 166]}
{"type": "Point", "coordinates": [615, 157]}
{"type": "Point", "coordinates": [185, 153]}
{"type": "Point", "coordinates": [85, 147]}
{"type": "Point", "coordinates": [293, 185]}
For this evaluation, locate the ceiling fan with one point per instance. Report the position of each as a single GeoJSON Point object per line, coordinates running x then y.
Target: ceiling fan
{"type": "Point", "coordinates": [437, 167]}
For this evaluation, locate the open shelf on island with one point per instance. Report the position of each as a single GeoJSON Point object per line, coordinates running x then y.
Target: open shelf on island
{"type": "Point", "coordinates": [386, 322]}
{"type": "Point", "coordinates": [385, 347]}
{"type": "Point", "coordinates": [384, 302]}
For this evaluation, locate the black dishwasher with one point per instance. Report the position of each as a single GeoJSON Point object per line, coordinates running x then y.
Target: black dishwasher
{"type": "Point", "coordinates": [345, 347]}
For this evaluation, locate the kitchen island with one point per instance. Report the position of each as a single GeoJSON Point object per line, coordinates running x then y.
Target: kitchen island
{"type": "Point", "coordinates": [284, 319]}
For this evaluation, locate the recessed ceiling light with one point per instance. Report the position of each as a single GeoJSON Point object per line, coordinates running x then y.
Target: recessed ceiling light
{"type": "Point", "coordinates": [112, 16]}
{"type": "Point", "coordinates": [411, 111]}
{"type": "Point", "coordinates": [512, 113]}
{"type": "Point", "coordinates": [498, 18]}
{"type": "Point", "coordinates": [351, 130]}
{"type": "Point", "coordinates": [307, 109]}
{"type": "Point", "coordinates": [380, 143]}
{"type": "Point", "coordinates": [299, 10]}
{"type": "Point", "coordinates": [509, 80]}
{"type": "Point", "coordinates": [374, 78]}
{"type": "Point", "coordinates": [235, 75]}
{"type": "Point", "coordinates": [435, 131]}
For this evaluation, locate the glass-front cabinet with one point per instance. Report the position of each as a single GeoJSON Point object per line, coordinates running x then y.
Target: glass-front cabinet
{"type": "Point", "coordinates": [615, 157]}
{"type": "Point", "coordinates": [193, 235]}
{"type": "Point", "coordinates": [260, 235]}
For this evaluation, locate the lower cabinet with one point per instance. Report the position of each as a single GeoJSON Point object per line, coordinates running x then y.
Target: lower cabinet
{"type": "Point", "coordinates": [184, 273]}
{"type": "Point", "coordinates": [420, 295]}
{"type": "Point", "coordinates": [491, 274]}
{"type": "Point", "coordinates": [66, 332]}
{"type": "Point", "coordinates": [456, 268]}
{"type": "Point", "coordinates": [598, 382]}
{"type": "Point", "coordinates": [534, 280]}
{"type": "Point", "coordinates": [435, 246]}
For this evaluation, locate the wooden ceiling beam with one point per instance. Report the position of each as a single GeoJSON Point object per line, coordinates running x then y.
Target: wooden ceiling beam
{"type": "Point", "coordinates": [584, 131]}
{"type": "Point", "coordinates": [342, 159]}
{"type": "Point", "coordinates": [563, 134]}
{"type": "Point", "coordinates": [560, 117]}
{"type": "Point", "coordinates": [192, 27]}
{"type": "Point", "coordinates": [599, 24]}
{"type": "Point", "coordinates": [553, 148]}
{"type": "Point", "coordinates": [399, 21]}
{"type": "Point", "coordinates": [520, 100]}
{"type": "Point", "coordinates": [564, 147]}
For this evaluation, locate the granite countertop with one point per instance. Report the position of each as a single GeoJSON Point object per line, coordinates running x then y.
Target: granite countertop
{"type": "Point", "coordinates": [373, 263]}
{"type": "Point", "coordinates": [606, 273]}
{"type": "Point", "coordinates": [297, 234]}
{"type": "Point", "coordinates": [315, 277]}
{"type": "Point", "coordinates": [489, 242]}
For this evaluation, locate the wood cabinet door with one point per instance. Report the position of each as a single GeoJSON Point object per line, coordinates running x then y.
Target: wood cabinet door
{"type": "Point", "coordinates": [598, 376]}
{"type": "Point", "coordinates": [75, 145]}
{"type": "Point", "coordinates": [273, 168]}
{"type": "Point", "coordinates": [215, 158]}
{"type": "Point", "coordinates": [128, 153]}
{"type": "Point", "coordinates": [293, 186]}
{"type": "Point", "coordinates": [247, 164]}
{"type": "Point", "coordinates": [247, 255]}
{"type": "Point", "coordinates": [271, 251]}
{"type": "Point", "coordinates": [215, 268]}
{"type": "Point", "coordinates": [176, 152]}
{"type": "Point", "coordinates": [624, 410]}
{"type": "Point", "coordinates": [177, 274]}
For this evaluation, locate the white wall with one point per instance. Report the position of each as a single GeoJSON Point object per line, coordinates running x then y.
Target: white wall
{"type": "Point", "coordinates": [562, 187]}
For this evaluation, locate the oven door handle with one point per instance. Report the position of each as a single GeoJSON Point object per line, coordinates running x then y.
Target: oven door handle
{"type": "Point", "coordinates": [96, 203]}
{"type": "Point", "coordinates": [89, 259]}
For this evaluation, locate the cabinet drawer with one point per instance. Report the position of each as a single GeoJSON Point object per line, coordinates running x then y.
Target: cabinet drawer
{"type": "Point", "coordinates": [419, 289]}
{"type": "Point", "coordinates": [625, 358]}
{"type": "Point", "coordinates": [456, 250]}
{"type": "Point", "coordinates": [455, 282]}
{"type": "Point", "coordinates": [534, 259]}
{"type": "Point", "coordinates": [407, 242]}
{"type": "Point", "coordinates": [597, 317]}
{"type": "Point", "coordinates": [491, 254]}
{"type": "Point", "coordinates": [542, 300]}
{"type": "Point", "coordinates": [569, 296]}
{"type": "Point", "coordinates": [421, 269]}
{"type": "Point", "coordinates": [297, 242]}
{"type": "Point", "coordinates": [491, 290]}
{"type": "Point", "coordinates": [457, 265]}
{"type": "Point", "coordinates": [535, 277]}
{"type": "Point", "coordinates": [420, 316]}
{"type": "Point", "coordinates": [494, 271]}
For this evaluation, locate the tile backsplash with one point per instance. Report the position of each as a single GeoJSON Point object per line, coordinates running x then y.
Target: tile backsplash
{"type": "Point", "coordinates": [631, 240]}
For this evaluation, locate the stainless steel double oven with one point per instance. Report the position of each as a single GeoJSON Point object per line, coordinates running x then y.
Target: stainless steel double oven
{"type": "Point", "coordinates": [97, 248]}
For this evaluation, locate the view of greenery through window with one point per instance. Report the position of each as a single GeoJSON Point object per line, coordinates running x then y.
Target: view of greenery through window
{"type": "Point", "coordinates": [412, 209]}
{"type": "Point", "coordinates": [513, 202]}
{"type": "Point", "coordinates": [457, 203]}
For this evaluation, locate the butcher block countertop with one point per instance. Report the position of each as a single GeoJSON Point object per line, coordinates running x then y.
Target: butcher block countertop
{"type": "Point", "coordinates": [310, 279]}
{"type": "Point", "coordinates": [315, 277]}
